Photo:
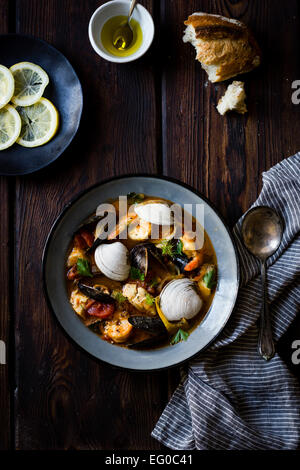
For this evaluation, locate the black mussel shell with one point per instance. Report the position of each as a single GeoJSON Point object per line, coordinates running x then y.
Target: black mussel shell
{"type": "Point", "coordinates": [93, 324]}
{"type": "Point", "coordinates": [152, 325]}
{"type": "Point", "coordinates": [148, 343]}
{"type": "Point", "coordinates": [96, 243]}
{"type": "Point", "coordinates": [95, 294]}
{"type": "Point", "coordinates": [90, 223]}
{"type": "Point", "coordinates": [139, 258]}
{"type": "Point", "coordinates": [140, 255]}
{"type": "Point", "coordinates": [156, 253]}
{"type": "Point", "coordinates": [180, 261]}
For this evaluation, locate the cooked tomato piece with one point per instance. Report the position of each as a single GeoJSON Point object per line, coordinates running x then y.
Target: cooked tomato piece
{"type": "Point", "coordinates": [101, 310]}
{"type": "Point", "coordinates": [84, 239]}
{"type": "Point", "coordinates": [88, 238]}
{"type": "Point", "coordinates": [79, 241]}
{"type": "Point", "coordinates": [89, 303]}
{"type": "Point", "coordinates": [73, 273]}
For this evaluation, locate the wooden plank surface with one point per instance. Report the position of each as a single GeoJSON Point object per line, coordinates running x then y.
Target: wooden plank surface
{"type": "Point", "coordinates": [223, 157]}
{"type": "Point", "coordinates": [154, 115]}
{"type": "Point", "coordinates": [80, 403]}
{"type": "Point", "coordinates": [4, 318]}
{"type": "Point", "coordinates": [5, 190]}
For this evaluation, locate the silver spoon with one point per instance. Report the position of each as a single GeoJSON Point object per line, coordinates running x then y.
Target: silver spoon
{"type": "Point", "coordinates": [262, 230]}
{"type": "Point", "coordinates": [123, 36]}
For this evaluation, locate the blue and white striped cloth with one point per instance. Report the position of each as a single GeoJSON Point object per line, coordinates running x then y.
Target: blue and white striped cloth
{"type": "Point", "coordinates": [231, 398]}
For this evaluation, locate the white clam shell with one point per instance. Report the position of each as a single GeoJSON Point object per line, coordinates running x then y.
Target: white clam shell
{"type": "Point", "coordinates": [155, 213]}
{"type": "Point", "coordinates": [179, 299]}
{"type": "Point", "coordinates": [113, 261]}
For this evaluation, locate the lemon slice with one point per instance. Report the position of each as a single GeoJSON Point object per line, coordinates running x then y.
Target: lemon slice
{"type": "Point", "coordinates": [39, 123]}
{"type": "Point", "coordinates": [10, 126]}
{"type": "Point", "coordinates": [7, 86]}
{"type": "Point", "coordinates": [30, 83]}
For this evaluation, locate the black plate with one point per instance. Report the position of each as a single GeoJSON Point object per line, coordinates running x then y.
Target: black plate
{"type": "Point", "coordinates": [64, 90]}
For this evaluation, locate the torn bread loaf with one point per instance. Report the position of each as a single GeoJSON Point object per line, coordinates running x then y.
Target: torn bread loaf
{"type": "Point", "coordinates": [234, 99]}
{"type": "Point", "coordinates": [225, 47]}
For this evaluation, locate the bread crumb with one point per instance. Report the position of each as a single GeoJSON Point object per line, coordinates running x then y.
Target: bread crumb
{"type": "Point", "coordinates": [234, 99]}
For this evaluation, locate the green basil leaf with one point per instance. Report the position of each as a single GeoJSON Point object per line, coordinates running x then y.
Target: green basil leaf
{"type": "Point", "coordinates": [154, 282]}
{"type": "Point", "coordinates": [149, 299]}
{"type": "Point", "coordinates": [209, 278]}
{"type": "Point", "coordinates": [135, 198]}
{"type": "Point", "coordinates": [181, 335]}
{"type": "Point", "coordinates": [135, 273]}
{"type": "Point", "coordinates": [167, 248]}
{"type": "Point", "coordinates": [179, 247]}
{"type": "Point", "coordinates": [83, 267]}
{"type": "Point", "coordinates": [118, 296]}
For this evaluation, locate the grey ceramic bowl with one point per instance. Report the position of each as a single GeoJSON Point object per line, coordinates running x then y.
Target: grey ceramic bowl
{"type": "Point", "coordinates": [55, 285]}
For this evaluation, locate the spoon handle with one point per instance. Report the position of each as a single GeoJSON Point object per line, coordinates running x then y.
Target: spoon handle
{"type": "Point", "coordinates": [132, 7]}
{"type": "Point", "coordinates": [266, 346]}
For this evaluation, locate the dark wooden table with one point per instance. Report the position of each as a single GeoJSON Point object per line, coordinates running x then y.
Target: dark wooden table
{"type": "Point", "coordinates": [156, 115]}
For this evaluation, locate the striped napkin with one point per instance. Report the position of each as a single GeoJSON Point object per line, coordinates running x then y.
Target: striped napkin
{"type": "Point", "coordinates": [229, 397]}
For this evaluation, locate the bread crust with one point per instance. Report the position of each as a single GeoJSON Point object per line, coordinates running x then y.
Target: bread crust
{"type": "Point", "coordinates": [224, 43]}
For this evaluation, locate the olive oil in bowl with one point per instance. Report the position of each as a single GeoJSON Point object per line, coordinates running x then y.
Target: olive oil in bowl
{"type": "Point", "coordinates": [109, 29]}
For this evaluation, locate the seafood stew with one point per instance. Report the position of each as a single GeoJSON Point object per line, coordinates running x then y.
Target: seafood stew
{"type": "Point", "coordinates": [138, 275]}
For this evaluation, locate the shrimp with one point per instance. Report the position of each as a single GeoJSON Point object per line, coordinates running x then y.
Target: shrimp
{"type": "Point", "coordinates": [118, 329]}
{"type": "Point", "coordinates": [75, 254]}
{"type": "Point", "coordinates": [140, 230]}
{"type": "Point", "coordinates": [123, 223]}
{"type": "Point", "coordinates": [78, 301]}
{"type": "Point", "coordinates": [188, 241]}
{"type": "Point", "coordinates": [190, 249]}
{"type": "Point", "coordinates": [195, 262]}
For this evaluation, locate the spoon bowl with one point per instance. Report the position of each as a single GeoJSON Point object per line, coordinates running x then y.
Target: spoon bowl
{"type": "Point", "coordinates": [123, 36]}
{"type": "Point", "coordinates": [262, 231]}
